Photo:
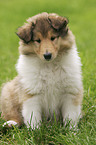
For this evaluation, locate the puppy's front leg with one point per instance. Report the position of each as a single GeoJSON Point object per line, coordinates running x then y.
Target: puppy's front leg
{"type": "Point", "coordinates": [32, 112]}
{"type": "Point", "coordinates": [71, 109]}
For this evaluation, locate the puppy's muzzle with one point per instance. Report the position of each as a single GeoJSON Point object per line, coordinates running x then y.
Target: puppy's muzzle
{"type": "Point", "coordinates": [48, 56]}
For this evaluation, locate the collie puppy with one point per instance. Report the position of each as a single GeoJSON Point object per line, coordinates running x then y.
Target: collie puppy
{"type": "Point", "coordinates": [49, 74]}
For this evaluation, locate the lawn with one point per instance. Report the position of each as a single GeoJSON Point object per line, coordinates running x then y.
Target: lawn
{"type": "Point", "coordinates": [82, 22]}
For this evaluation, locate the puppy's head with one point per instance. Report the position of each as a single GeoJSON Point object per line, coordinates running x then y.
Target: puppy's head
{"type": "Point", "coordinates": [42, 35]}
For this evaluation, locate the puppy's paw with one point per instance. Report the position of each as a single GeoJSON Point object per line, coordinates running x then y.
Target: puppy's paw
{"type": "Point", "coordinates": [10, 124]}
{"type": "Point", "coordinates": [69, 123]}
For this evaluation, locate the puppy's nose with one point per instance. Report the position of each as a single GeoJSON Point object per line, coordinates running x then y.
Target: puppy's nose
{"type": "Point", "coordinates": [48, 56]}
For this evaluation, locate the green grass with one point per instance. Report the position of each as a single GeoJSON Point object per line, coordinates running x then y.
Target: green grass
{"type": "Point", "coordinates": [82, 18]}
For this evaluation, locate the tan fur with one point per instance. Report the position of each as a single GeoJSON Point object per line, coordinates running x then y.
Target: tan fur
{"type": "Point", "coordinates": [48, 46]}
{"type": "Point", "coordinates": [12, 97]}
{"type": "Point", "coordinates": [44, 31]}
{"type": "Point", "coordinates": [27, 49]}
{"type": "Point", "coordinates": [24, 32]}
{"type": "Point", "coordinates": [78, 100]}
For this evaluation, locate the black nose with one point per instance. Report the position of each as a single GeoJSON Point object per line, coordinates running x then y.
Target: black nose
{"type": "Point", "coordinates": [48, 56]}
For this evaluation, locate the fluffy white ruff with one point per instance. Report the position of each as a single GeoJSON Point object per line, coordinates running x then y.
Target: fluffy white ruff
{"type": "Point", "coordinates": [52, 84]}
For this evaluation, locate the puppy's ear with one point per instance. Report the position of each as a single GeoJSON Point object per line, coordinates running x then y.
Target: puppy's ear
{"type": "Point", "coordinates": [26, 32]}
{"type": "Point", "coordinates": [57, 22]}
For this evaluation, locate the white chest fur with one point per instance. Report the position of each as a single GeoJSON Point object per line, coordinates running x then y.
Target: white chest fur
{"type": "Point", "coordinates": [51, 80]}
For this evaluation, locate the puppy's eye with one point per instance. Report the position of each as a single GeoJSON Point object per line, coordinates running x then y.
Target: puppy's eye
{"type": "Point", "coordinates": [53, 38]}
{"type": "Point", "coordinates": [39, 41]}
